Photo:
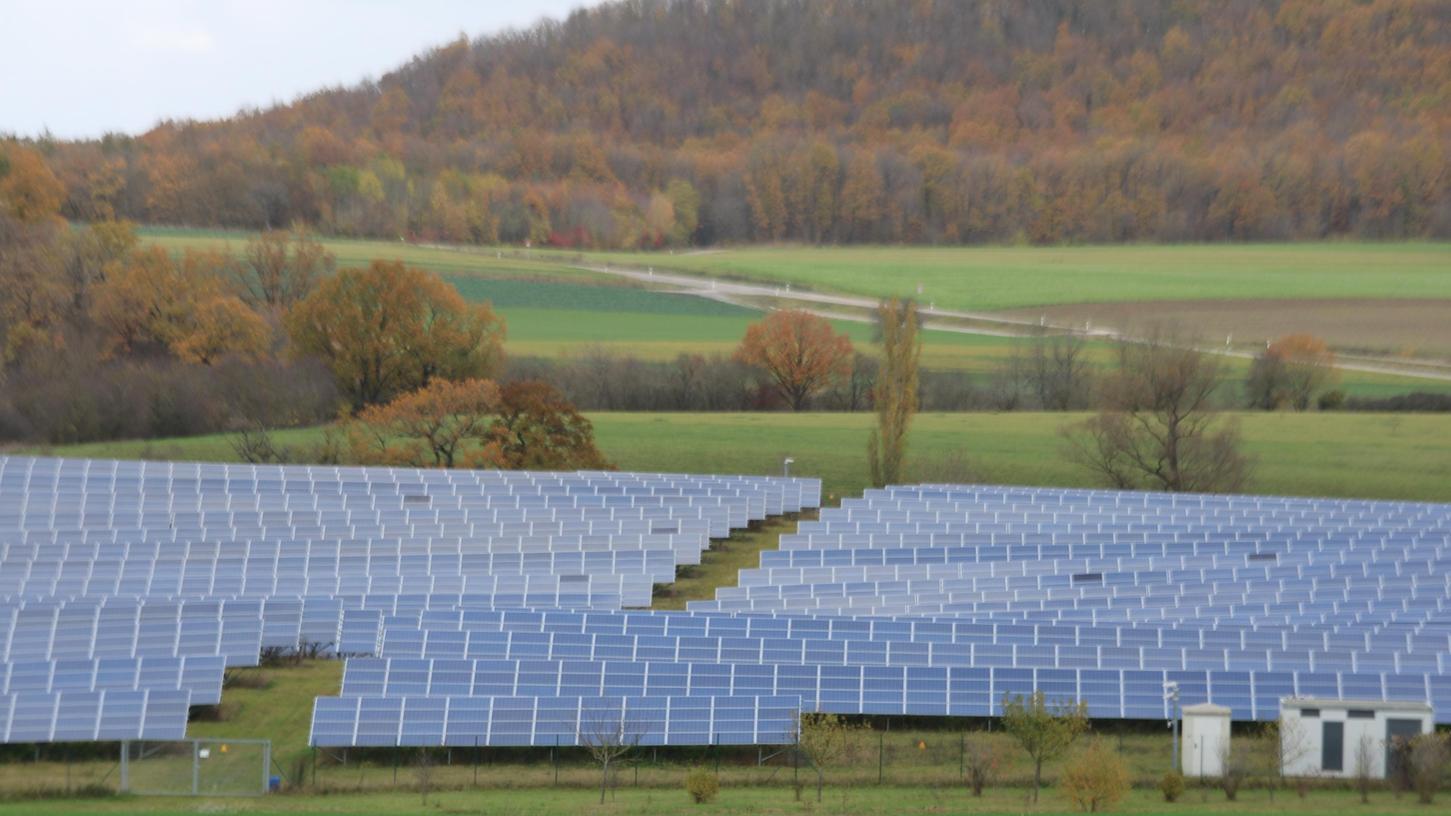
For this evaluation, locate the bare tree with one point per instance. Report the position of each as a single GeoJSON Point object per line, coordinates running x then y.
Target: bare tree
{"type": "Point", "coordinates": [1365, 766]}
{"type": "Point", "coordinates": [254, 445]}
{"type": "Point", "coordinates": [1059, 373]}
{"type": "Point", "coordinates": [1159, 429]}
{"type": "Point", "coordinates": [1233, 770]}
{"type": "Point", "coordinates": [979, 764]}
{"type": "Point", "coordinates": [609, 734]}
{"type": "Point", "coordinates": [423, 773]}
{"type": "Point", "coordinates": [1284, 742]}
{"type": "Point", "coordinates": [279, 267]}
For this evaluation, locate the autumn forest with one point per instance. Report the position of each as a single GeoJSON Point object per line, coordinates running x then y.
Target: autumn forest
{"type": "Point", "coordinates": [696, 122]}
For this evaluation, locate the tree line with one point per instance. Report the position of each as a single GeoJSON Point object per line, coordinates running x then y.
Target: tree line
{"type": "Point", "coordinates": [103, 337]}
{"type": "Point", "coordinates": [647, 123]}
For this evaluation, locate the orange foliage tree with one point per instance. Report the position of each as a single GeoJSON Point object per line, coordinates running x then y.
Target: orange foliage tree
{"type": "Point", "coordinates": [29, 191]}
{"type": "Point", "coordinates": [443, 425]}
{"type": "Point", "coordinates": [1290, 372]}
{"type": "Point", "coordinates": [475, 423]}
{"type": "Point", "coordinates": [538, 429]}
{"type": "Point", "coordinates": [801, 353]}
{"type": "Point", "coordinates": [153, 302]}
{"type": "Point", "coordinates": [390, 329]}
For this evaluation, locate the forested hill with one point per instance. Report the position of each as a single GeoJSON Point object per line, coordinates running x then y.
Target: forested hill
{"type": "Point", "coordinates": [706, 121]}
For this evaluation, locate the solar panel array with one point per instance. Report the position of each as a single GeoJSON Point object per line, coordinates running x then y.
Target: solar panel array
{"type": "Point", "coordinates": [127, 588]}
{"type": "Point", "coordinates": [1105, 596]}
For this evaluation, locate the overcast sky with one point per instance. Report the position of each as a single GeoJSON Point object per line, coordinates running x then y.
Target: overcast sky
{"type": "Point", "coordinates": [86, 67]}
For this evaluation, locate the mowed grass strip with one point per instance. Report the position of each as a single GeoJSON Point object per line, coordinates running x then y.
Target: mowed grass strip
{"type": "Point", "coordinates": [1378, 456]}
{"type": "Point", "coordinates": [776, 800]}
{"type": "Point", "coordinates": [993, 278]}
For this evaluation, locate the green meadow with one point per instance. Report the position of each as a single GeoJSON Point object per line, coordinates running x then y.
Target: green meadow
{"type": "Point", "coordinates": [996, 278]}
{"type": "Point", "coordinates": [556, 311]}
{"type": "Point", "coordinates": [1382, 456]}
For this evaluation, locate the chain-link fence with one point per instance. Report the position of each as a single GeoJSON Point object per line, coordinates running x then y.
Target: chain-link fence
{"type": "Point", "coordinates": [196, 767]}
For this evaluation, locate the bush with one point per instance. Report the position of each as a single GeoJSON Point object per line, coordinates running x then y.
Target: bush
{"type": "Point", "coordinates": [1096, 779]}
{"type": "Point", "coordinates": [980, 764]}
{"type": "Point", "coordinates": [702, 785]}
{"type": "Point", "coordinates": [1172, 786]}
{"type": "Point", "coordinates": [1429, 755]}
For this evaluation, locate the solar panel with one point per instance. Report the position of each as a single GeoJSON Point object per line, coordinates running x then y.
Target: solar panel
{"type": "Point", "coordinates": [120, 579]}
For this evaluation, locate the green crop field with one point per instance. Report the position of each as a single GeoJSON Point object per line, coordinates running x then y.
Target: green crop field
{"type": "Point", "coordinates": [994, 278]}
{"type": "Point", "coordinates": [556, 311]}
{"type": "Point", "coordinates": [1385, 456]}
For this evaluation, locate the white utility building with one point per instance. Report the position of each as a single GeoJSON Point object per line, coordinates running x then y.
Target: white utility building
{"type": "Point", "coordinates": [1206, 739]}
{"type": "Point", "coordinates": [1332, 737]}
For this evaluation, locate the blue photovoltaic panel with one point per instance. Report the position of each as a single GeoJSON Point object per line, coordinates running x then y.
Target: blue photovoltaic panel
{"type": "Point", "coordinates": [553, 721]}
{"type": "Point", "coordinates": [120, 579]}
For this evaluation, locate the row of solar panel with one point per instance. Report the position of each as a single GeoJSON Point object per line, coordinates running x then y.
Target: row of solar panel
{"type": "Point", "coordinates": [220, 581]}
{"type": "Point", "coordinates": [917, 691]}
{"type": "Point", "coordinates": [977, 533]}
{"type": "Point", "coordinates": [368, 560]}
{"type": "Point", "coordinates": [87, 716]}
{"type": "Point", "coordinates": [938, 493]}
{"type": "Point", "coordinates": [1162, 591]}
{"type": "Point", "coordinates": [554, 721]}
{"type": "Point", "coordinates": [202, 676]}
{"type": "Point", "coordinates": [713, 522]}
{"type": "Point", "coordinates": [440, 644]}
{"type": "Point", "coordinates": [1029, 560]}
{"type": "Point", "coordinates": [113, 542]}
{"type": "Point", "coordinates": [1359, 577]}
{"type": "Point", "coordinates": [912, 630]}
{"type": "Point", "coordinates": [1089, 610]}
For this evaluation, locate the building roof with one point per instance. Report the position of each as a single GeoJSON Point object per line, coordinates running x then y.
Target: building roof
{"type": "Point", "coordinates": [1378, 705]}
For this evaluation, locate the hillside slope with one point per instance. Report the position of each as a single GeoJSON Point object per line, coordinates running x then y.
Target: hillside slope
{"type": "Point", "coordinates": [651, 122]}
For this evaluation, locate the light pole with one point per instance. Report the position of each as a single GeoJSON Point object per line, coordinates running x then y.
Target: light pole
{"type": "Point", "coordinates": [786, 466]}
{"type": "Point", "coordinates": [1171, 693]}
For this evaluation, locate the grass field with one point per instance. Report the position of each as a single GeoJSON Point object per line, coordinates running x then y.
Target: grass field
{"type": "Point", "coordinates": [1386, 456]}
{"type": "Point", "coordinates": [555, 311]}
{"type": "Point", "coordinates": [994, 278]}
{"type": "Point", "coordinates": [888, 800]}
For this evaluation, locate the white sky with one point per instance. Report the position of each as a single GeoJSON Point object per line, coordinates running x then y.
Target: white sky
{"type": "Point", "coordinates": [86, 67]}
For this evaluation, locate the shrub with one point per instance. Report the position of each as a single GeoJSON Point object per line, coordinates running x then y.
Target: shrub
{"type": "Point", "coordinates": [1429, 755]}
{"type": "Point", "coordinates": [980, 765]}
{"type": "Point", "coordinates": [1172, 786]}
{"type": "Point", "coordinates": [702, 785]}
{"type": "Point", "coordinates": [1096, 779]}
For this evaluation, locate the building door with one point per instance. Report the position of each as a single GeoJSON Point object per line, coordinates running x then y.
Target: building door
{"type": "Point", "coordinates": [1397, 730]}
{"type": "Point", "coordinates": [1332, 747]}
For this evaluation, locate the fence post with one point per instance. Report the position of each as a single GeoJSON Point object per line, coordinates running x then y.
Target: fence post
{"type": "Point", "coordinates": [267, 767]}
{"type": "Point", "coordinates": [125, 766]}
{"type": "Point", "coordinates": [314, 766]}
{"type": "Point", "coordinates": [476, 761]}
{"type": "Point", "coordinates": [962, 758]}
{"type": "Point", "coordinates": [881, 752]}
{"type": "Point", "coordinates": [196, 768]}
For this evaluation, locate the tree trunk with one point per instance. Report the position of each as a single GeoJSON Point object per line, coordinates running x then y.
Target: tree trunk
{"type": "Point", "coordinates": [604, 779]}
{"type": "Point", "coordinates": [1037, 778]}
{"type": "Point", "coordinates": [820, 781]}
